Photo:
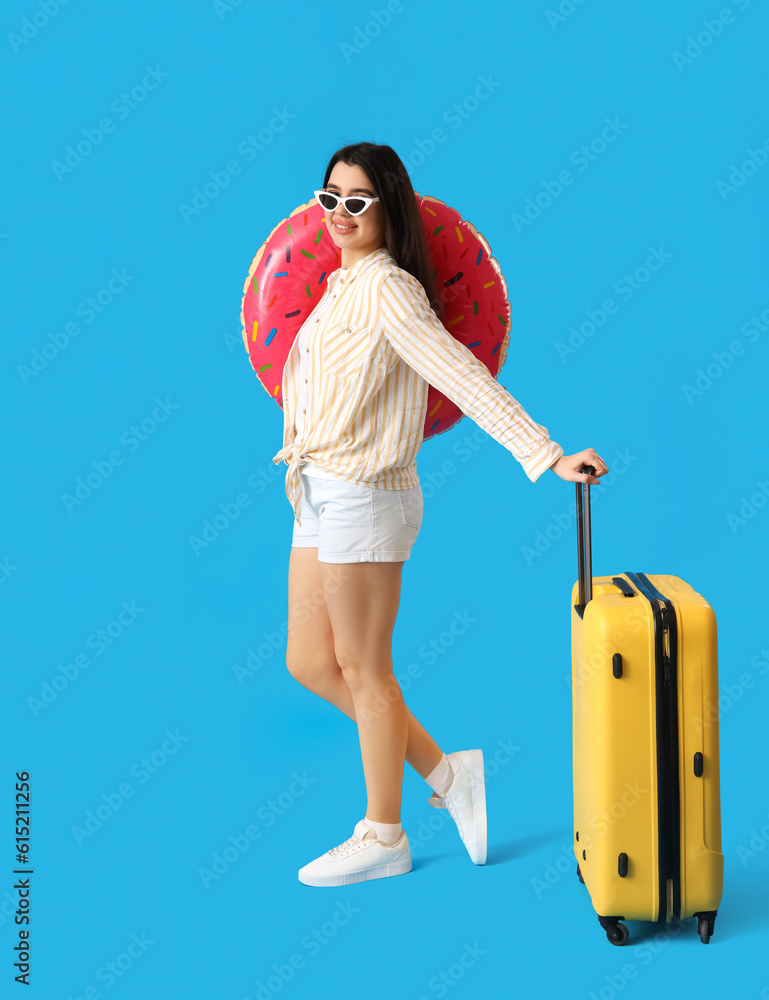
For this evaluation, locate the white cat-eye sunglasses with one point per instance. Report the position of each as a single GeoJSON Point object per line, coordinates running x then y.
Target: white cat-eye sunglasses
{"type": "Point", "coordinates": [354, 204]}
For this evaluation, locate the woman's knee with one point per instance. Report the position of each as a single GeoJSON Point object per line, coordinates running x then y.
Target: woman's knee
{"type": "Point", "coordinates": [311, 671]}
{"type": "Point", "coordinates": [361, 673]}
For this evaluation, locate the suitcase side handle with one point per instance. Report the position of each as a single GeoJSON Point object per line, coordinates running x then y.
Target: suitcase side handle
{"type": "Point", "coordinates": [584, 542]}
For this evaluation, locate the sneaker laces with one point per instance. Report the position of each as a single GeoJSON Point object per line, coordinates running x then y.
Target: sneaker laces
{"type": "Point", "coordinates": [350, 845]}
{"type": "Point", "coordinates": [445, 802]}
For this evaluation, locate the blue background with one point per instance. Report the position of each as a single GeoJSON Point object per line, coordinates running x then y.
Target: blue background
{"type": "Point", "coordinates": [522, 924]}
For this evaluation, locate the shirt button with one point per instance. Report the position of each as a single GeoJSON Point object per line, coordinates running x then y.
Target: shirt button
{"type": "Point", "coordinates": [305, 380]}
{"type": "Point", "coordinates": [304, 411]}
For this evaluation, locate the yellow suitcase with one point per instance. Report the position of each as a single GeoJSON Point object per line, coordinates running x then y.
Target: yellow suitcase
{"type": "Point", "coordinates": [647, 820]}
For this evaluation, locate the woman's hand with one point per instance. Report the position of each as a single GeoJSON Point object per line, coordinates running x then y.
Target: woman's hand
{"type": "Point", "coordinates": [569, 467]}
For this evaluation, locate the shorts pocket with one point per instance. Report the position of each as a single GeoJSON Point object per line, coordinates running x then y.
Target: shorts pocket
{"type": "Point", "coordinates": [411, 502]}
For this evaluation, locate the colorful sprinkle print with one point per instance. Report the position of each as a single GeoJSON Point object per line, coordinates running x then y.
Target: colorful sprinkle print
{"type": "Point", "coordinates": [470, 295]}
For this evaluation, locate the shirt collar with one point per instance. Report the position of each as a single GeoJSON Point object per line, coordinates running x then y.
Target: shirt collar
{"type": "Point", "coordinates": [362, 265]}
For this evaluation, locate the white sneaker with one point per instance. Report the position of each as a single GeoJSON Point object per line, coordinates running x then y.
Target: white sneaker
{"type": "Point", "coordinates": [466, 801]}
{"type": "Point", "coordinates": [359, 859]}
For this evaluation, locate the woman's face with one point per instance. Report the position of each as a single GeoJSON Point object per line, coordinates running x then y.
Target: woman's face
{"type": "Point", "coordinates": [355, 235]}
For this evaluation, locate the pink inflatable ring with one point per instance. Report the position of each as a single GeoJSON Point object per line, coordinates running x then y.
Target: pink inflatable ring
{"type": "Point", "coordinates": [288, 276]}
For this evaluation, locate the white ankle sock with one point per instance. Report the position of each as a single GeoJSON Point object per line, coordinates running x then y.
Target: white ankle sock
{"type": "Point", "coordinates": [441, 776]}
{"type": "Point", "coordinates": [388, 833]}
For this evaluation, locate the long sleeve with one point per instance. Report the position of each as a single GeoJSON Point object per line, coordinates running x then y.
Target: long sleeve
{"type": "Point", "coordinates": [418, 336]}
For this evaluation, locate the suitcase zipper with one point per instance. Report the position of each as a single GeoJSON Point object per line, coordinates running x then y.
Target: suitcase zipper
{"type": "Point", "coordinates": [668, 791]}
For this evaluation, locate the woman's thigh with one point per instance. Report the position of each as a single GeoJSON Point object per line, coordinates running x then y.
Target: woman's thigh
{"type": "Point", "coordinates": [310, 641]}
{"type": "Point", "coordinates": [362, 600]}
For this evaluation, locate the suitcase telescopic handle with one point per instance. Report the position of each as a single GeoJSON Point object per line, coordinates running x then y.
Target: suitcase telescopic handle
{"type": "Point", "coordinates": [584, 545]}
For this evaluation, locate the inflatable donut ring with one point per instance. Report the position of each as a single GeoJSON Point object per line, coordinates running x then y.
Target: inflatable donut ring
{"type": "Point", "coordinates": [288, 276]}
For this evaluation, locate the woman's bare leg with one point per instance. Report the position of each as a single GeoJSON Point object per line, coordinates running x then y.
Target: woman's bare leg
{"type": "Point", "coordinates": [311, 654]}
{"type": "Point", "coordinates": [362, 601]}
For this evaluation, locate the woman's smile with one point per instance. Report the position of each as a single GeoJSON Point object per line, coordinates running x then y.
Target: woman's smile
{"type": "Point", "coordinates": [359, 235]}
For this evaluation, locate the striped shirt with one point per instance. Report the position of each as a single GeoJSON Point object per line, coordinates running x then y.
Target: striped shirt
{"type": "Point", "coordinates": [300, 410]}
{"type": "Point", "coordinates": [374, 347]}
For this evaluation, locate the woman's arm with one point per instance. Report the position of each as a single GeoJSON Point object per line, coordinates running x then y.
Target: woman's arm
{"type": "Point", "coordinates": [419, 337]}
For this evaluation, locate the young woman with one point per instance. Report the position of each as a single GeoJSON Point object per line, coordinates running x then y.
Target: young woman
{"type": "Point", "coordinates": [355, 396]}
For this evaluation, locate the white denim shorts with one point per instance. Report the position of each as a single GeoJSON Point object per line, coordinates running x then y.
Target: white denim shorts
{"type": "Point", "coordinates": [352, 523]}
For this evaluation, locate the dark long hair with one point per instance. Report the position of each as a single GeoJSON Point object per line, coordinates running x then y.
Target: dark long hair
{"type": "Point", "coordinates": [404, 231]}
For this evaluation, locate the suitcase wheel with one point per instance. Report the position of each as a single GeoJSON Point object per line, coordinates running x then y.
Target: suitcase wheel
{"type": "Point", "coordinates": [706, 928]}
{"type": "Point", "coordinates": [617, 934]}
